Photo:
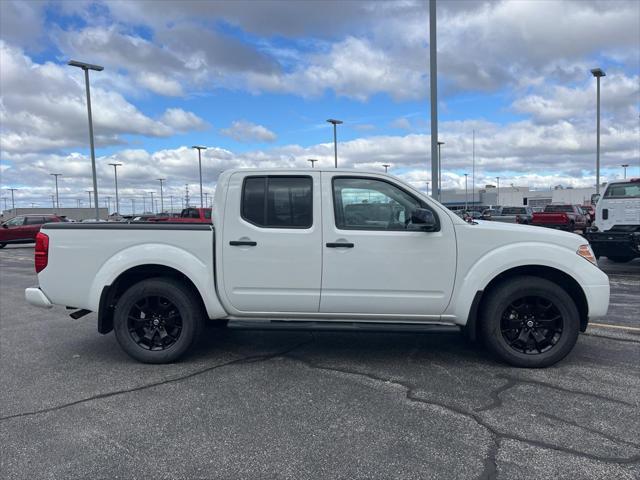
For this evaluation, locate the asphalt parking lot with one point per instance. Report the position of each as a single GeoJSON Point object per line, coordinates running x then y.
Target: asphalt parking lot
{"type": "Point", "coordinates": [301, 404]}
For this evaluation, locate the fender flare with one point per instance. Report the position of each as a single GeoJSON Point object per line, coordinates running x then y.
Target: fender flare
{"type": "Point", "coordinates": [197, 271]}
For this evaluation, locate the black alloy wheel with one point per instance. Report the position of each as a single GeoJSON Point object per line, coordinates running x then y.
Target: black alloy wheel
{"type": "Point", "coordinates": [154, 323]}
{"type": "Point", "coordinates": [529, 321]}
{"type": "Point", "coordinates": [531, 325]}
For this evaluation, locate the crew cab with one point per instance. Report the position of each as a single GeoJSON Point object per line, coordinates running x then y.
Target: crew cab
{"type": "Point", "coordinates": [563, 217]}
{"type": "Point", "coordinates": [24, 228]}
{"type": "Point", "coordinates": [324, 246]}
{"type": "Point", "coordinates": [616, 230]}
{"type": "Point", "coordinates": [188, 215]}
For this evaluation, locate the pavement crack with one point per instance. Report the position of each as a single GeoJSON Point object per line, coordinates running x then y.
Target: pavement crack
{"type": "Point", "coordinates": [496, 401]}
{"type": "Point", "coordinates": [595, 431]}
{"type": "Point", "coordinates": [476, 417]}
{"type": "Point", "coordinates": [615, 339]}
{"type": "Point", "coordinates": [490, 470]}
{"type": "Point", "coordinates": [100, 396]}
{"type": "Point", "coordinates": [520, 380]}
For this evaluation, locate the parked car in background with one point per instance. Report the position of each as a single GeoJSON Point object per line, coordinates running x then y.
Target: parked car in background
{"type": "Point", "coordinates": [562, 217]}
{"type": "Point", "coordinates": [24, 228]}
{"type": "Point", "coordinates": [324, 245]}
{"type": "Point", "coordinates": [521, 215]}
{"type": "Point", "coordinates": [590, 212]}
{"type": "Point", "coordinates": [489, 213]}
{"type": "Point", "coordinates": [188, 215]}
{"type": "Point", "coordinates": [615, 233]}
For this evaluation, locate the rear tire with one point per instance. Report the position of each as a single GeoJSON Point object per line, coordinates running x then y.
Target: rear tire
{"type": "Point", "coordinates": [620, 259]}
{"type": "Point", "coordinates": [158, 320]}
{"type": "Point", "coordinates": [529, 322]}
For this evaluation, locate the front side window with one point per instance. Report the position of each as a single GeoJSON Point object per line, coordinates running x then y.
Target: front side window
{"type": "Point", "coordinates": [623, 190]}
{"type": "Point", "coordinates": [15, 221]}
{"type": "Point", "coordinates": [370, 204]}
{"type": "Point", "coordinates": [278, 201]}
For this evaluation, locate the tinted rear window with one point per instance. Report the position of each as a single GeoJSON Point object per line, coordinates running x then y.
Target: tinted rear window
{"type": "Point", "coordinates": [559, 208]}
{"type": "Point", "coordinates": [278, 202]}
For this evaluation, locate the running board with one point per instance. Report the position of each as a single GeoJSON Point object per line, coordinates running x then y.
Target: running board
{"type": "Point", "coordinates": [343, 326]}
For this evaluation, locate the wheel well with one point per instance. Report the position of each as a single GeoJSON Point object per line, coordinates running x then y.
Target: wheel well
{"type": "Point", "coordinates": [563, 280]}
{"type": "Point", "coordinates": [111, 293]}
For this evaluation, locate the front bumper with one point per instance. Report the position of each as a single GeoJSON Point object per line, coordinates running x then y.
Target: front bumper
{"type": "Point", "coordinates": [597, 299]}
{"type": "Point", "coordinates": [614, 243]}
{"type": "Point", "coordinates": [36, 297]}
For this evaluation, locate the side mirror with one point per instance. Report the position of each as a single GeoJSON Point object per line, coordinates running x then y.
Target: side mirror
{"type": "Point", "coordinates": [594, 198]}
{"type": "Point", "coordinates": [422, 219]}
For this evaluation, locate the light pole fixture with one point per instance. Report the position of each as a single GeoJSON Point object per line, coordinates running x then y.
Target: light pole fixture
{"type": "Point", "coordinates": [625, 165]}
{"type": "Point", "coordinates": [439, 168]}
{"type": "Point", "coordinates": [89, 192]}
{"type": "Point", "coordinates": [598, 72]}
{"type": "Point", "coordinates": [498, 198]}
{"type": "Point", "coordinates": [335, 139]}
{"type": "Point", "coordinates": [313, 162]}
{"type": "Point", "coordinates": [86, 67]}
{"type": "Point", "coordinates": [386, 167]}
{"type": "Point", "coordinates": [161, 180]}
{"type": "Point", "coordinates": [466, 192]}
{"type": "Point", "coordinates": [200, 148]}
{"type": "Point", "coordinates": [13, 202]}
{"type": "Point", "coordinates": [115, 174]}
{"type": "Point", "coordinates": [56, 175]}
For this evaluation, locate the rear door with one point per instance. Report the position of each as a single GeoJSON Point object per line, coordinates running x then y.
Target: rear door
{"type": "Point", "coordinates": [271, 250]}
{"type": "Point", "coordinates": [372, 262]}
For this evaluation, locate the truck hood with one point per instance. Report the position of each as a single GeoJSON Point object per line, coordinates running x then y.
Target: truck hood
{"type": "Point", "coordinates": [499, 233]}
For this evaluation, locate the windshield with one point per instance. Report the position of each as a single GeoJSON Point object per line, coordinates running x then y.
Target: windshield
{"type": "Point", "coordinates": [623, 190]}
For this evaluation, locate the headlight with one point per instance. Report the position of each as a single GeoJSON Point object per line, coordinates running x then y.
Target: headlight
{"type": "Point", "coordinates": [585, 252]}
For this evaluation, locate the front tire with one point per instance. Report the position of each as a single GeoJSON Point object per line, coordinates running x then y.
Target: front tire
{"type": "Point", "coordinates": [529, 322]}
{"type": "Point", "coordinates": [158, 320]}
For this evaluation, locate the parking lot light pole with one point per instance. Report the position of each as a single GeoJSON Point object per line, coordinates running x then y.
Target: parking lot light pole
{"type": "Point", "coordinates": [13, 202]}
{"type": "Point", "coordinates": [598, 73]}
{"type": "Point", "coordinates": [466, 192]}
{"type": "Point", "coordinates": [439, 169]}
{"type": "Point", "coordinates": [161, 195]}
{"type": "Point", "coordinates": [335, 139]}
{"type": "Point", "coordinates": [200, 148]}
{"type": "Point", "coordinates": [115, 174]}
{"type": "Point", "coordinates": [386, 167]}
{"type": "Point", "coordinates": [89, 192]}
{"type": "Point", "coordinates": [427, 188]}
{"type": "Point", "coordinates": [56, 175]}
{"type": "Point", "coordinates": [313, 162]}
{"type": "Point", "coordinates": [152, 204]}
{"type": "Point", "coordinates": [625, 165]}
{"type": "Point", "coordinates": [498, 197]}
{"type": "Point", "coordinates": [133, 207]}
{"type": "Point", "coordinates": [86, 67]}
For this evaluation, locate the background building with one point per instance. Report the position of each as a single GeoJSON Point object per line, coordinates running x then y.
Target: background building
{"type": "Point", "coordinates": [78, 214]}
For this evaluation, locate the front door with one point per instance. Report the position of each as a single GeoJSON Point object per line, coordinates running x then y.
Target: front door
{"type": "Point", "coordinates": [374, 262]}
{"type": "Point", "coordinates": [13, 229]}
{"type": "Point", "coordinates": [272, 235]}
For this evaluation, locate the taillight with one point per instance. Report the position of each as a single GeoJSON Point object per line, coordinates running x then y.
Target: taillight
{"type": "Point", "coordinates": [42, 251]}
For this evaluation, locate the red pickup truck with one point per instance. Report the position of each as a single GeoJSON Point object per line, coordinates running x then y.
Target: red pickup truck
{"type": "Point", "coordinates": [24, 228]}
{"type": "Point", "coordinates": [188, 215]}
{"type": "Point", "coordinates": [563, 217]}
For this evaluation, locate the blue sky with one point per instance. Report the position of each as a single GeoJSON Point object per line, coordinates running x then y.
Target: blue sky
{"type": "Point", "coordinates": [255, 82]}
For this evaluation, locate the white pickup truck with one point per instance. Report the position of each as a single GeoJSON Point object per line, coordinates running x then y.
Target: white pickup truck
{"type": "Point", "coordinates": [324, 245]}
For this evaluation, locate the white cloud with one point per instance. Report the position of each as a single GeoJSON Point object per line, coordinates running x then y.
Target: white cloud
{"type": "Point", "coordinates": [182, 121]}
{"type": "Point", "coordinates": [244, 131]}
{"type": "Point", "coordinates": [43, 107]}
{"type": "Point", "coordinates": [160, 84]}
{"type": "Point", "coordinates": [401, 123]}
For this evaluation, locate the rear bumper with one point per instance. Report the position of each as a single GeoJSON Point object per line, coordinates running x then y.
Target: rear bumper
{"type": "Point", "coordinates": [36, 297]}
